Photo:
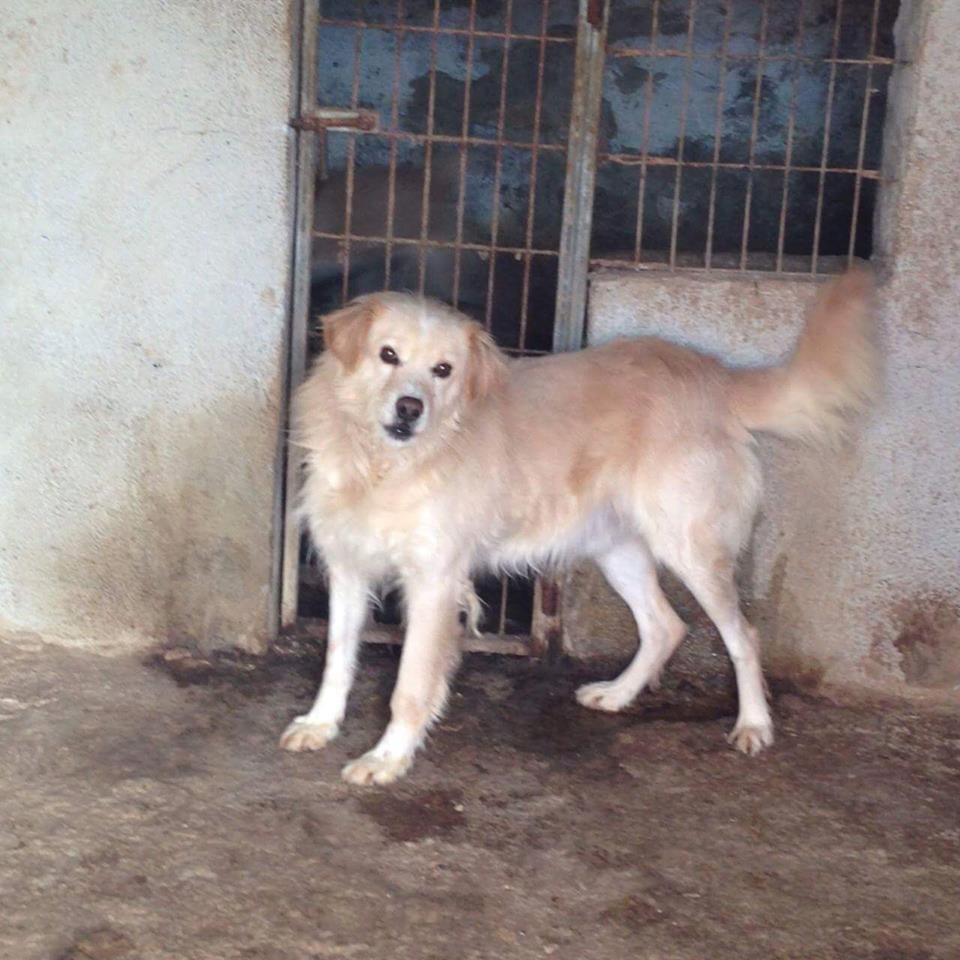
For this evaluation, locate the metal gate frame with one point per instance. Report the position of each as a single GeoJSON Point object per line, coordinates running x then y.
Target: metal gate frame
{"type": "Point", "coordinates": [305, 183]}
{"type": "Point", "coordinates": [310, 120]}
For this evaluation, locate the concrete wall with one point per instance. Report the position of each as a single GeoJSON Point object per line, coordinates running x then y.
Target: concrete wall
{"type": "Point", "coordinates": [855, 570]}
{"type": "Point", "coordinates": [146, 225]}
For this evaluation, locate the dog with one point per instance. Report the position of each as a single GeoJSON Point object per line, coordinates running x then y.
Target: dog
{"type": "Point", "coordinates": [430, 456]}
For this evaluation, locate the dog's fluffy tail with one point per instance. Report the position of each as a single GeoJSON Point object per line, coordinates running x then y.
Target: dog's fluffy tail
{"type": "Point", "coordinates": [832, 374]}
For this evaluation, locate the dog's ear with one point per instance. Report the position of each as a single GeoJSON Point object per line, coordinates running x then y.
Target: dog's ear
{"type": "Point", "coordinates": [486, 365]}
{"type": "Point", "coordinates": [345, 332]}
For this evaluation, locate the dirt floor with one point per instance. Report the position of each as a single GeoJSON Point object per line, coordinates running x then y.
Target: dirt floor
{"type": "Point", "coordinates": [145, 812]}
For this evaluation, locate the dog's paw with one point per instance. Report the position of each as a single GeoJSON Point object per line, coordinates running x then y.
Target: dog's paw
{"type": "Point", "coordinates": [303, 734]}
{"type": "Point", "coordinates": [751, 738]}
{"type": "Point", "coordinates": [376, 768]}
{"type": "Point", "coordinates": [605, 695]}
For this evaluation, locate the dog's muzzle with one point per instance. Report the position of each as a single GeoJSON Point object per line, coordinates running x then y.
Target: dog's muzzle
{"type": "Point", "coordinates": [408, 411]}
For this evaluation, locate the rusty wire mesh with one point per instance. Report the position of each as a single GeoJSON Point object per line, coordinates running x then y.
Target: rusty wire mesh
{"type": "Point", "coordinates": [742, 135]}
{"type": "Point", "coordinates": [457, 192]}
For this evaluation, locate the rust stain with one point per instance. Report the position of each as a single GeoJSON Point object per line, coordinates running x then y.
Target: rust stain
{"type": "Point", "coordinates": [549, 597]}
{"type": "Point", "coordinates": [268, 297]}
{"type": "Point", "coordinates": [928, 639]}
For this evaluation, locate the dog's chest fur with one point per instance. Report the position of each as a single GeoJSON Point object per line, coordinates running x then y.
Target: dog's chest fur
{"type": "Point", "coordinates": [374, 513]}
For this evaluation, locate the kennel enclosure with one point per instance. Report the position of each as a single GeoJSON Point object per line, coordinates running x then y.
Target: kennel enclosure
{"type": "Point", "coordinates": [492, 153]}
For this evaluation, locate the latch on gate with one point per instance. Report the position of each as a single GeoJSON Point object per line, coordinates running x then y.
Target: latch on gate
{"type": "Point", "coordinates": [336, 118]}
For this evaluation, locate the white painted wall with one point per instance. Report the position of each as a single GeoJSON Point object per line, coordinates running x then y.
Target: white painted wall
{"type": "Point", "coordinates": [855, 572]}
{"type": "Point", "coordinates": [145, 213]}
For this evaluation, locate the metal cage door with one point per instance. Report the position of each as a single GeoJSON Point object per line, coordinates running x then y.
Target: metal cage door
{"type": "Point", "coordinates": [448, 151]}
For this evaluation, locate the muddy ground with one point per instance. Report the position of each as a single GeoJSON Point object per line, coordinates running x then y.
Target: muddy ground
{"type": "Point", "coordinates": [145, 812]}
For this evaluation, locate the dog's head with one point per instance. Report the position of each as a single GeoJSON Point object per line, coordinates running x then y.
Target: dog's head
{"type": "Point", "coordinates": [408, 367]}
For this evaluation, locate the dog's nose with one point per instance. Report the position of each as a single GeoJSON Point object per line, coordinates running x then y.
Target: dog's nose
{"type": "Point", "coordinates": [409, 409]}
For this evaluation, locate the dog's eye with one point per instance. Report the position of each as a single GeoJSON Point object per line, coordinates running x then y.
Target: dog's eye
{"type": "Point", "coordinates": [442, 370]}
{"type": "Point", "coordinates": [389, 355]}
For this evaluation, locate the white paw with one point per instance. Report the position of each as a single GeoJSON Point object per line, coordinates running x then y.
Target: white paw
{"type": "Point", "coordinates": [376, 768]}
{"type": "Point", "coordinates": [605, 695]}
{"type": "Point", "coordinates": [751, 738]}
{"type": "Point", "coordinates": [304, 734]}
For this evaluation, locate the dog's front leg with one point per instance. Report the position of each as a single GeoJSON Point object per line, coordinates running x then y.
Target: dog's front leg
{"type": "Point", "coordinates": [431, 650]}
{"type": "Point", "coordinates": [349, 601]}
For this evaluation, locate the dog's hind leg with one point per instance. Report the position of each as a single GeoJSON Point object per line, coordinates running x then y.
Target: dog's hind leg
{"type": "Point", "coordinates": [349, 602]}
{"type": "Point", "coordinates": [431, 651]}
{"type": "Point", "coordinates": [707, 569]}
{"type": "Point", "coordinates": [631, 570]}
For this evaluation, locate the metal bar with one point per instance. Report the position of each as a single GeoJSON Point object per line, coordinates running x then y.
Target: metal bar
{"type": "Point", "coordinates": [464, 134]}
{"type": "Point", "coordinates": [428, 152]}
{"type": "Point", "coordinates": [289, 559]}
{"type": "Point", "coordinates": [681, 140]}
{"type": "Point", "coordinates": [502, 613]}
{"type": "Point", "coordinates": [717, 133]}
{"type": "Point", "coordinates": [351, 170]}
{"type": "Point", "coordinates": [575, 230]}
{"type": "Point", "coordinates": [470, 141]}
{"type": "Point", "coordinates": [446, 31]}
{"type": "Point", "coordinates": [512, 646]}
{"type": "Point", "coordinates": [645, 149]}
{"type": "Point", "coordinates": [652, 52]}
{"type": "Point", "coordinates": [497, 171]}
{"type": "Point", "coordinates": [392, 156]}
{"type": "Point", "coordinates": [758, 87]}
{"type": "Point", "coordinates": [861, 146]}
{"type": "Point", "coordinates": [630, 159]}
{"type": "Point", "coordinates": [546, 628]}
{"type": "Point", "coordinates": [323, 174]}
{"type": "Point", "coordinates": [760, 264]}
{"type": "Point", "coordinates": [788, 151]}
{"type": "Point", "coordinates": [532, 189]}
{"type": "Point", "coordinates": [437, 244]}
{"type": "Point", "coordinates": [824, 153]}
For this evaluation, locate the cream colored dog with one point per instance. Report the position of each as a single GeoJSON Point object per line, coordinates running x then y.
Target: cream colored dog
{"type": "Point", "coordinates": [430, 456]}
